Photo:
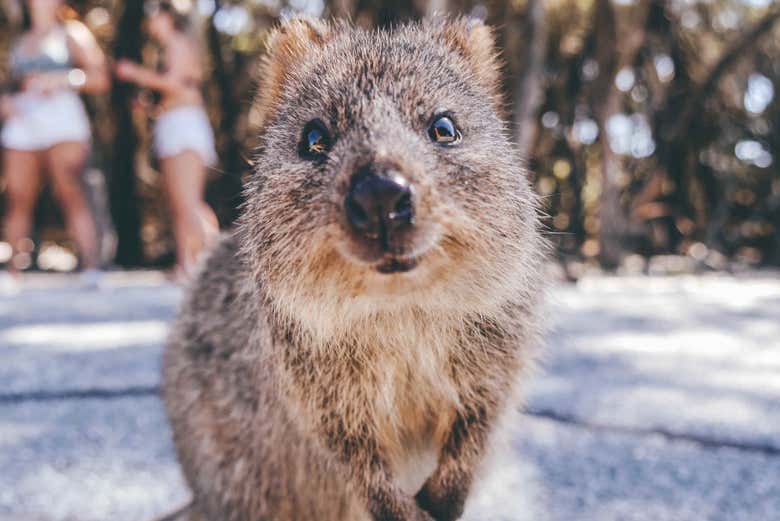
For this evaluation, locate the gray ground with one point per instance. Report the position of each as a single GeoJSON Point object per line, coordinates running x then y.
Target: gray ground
{"type": "Point", "coordinates": [660, 401]}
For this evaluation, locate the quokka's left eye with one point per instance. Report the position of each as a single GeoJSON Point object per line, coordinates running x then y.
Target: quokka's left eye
{"type": "Point", "coordinates": [443, 131]}
{"type": "Point", "coordinates": [315, 140]}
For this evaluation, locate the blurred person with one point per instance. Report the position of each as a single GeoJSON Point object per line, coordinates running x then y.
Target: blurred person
{"type": "Point", "coordinates": [46, 129]}
{"type": "Point", "coordinates": [183, 138]}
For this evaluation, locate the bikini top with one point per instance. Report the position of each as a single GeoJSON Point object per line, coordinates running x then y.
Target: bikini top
{"type": "Point", "coordinates": [52, 53]}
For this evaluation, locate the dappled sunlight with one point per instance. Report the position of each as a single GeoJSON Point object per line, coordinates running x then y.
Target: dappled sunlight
{"type": "Point", "coordinates": [107, 490]}
{"type": "Point", "coordinates": [626, 508]}
{"type": "Point", "coordinates": [598, 475]}
{"type": "Point", "coordinates": [687, 354]}
{"type": "Point", "coordinates": [759, 93]}
{"type": "Point", "coordinates": [512, 490]}
{"type": "Point", "coordinates": [84, 337]}
{"type": "Point", "coordinates": [56, 337]}
{"type": "Point", "coordinates": [698, 344]}
{"type": "Point", "coordinates": [114, 456]}
{"type": "Point", "coordinates": [671, 408]}
{"type": "Point", "coordinates": [630, 362]}
{"type": "Point", "coordinates": [15, 433]}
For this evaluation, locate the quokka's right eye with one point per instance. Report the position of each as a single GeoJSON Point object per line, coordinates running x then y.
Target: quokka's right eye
{"type": "Point", "coordinates": [443, 131]}
{"type": "Point", "coordinates": [315, 140]}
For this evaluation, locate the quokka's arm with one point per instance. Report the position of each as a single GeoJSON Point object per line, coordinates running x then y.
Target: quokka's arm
{"type": "Point", "coordinates": [444, 493]}
{"type": "Point", "coordinates": [372, 478]}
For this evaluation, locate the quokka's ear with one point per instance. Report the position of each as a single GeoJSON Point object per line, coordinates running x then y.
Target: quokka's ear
{"type": "Point", "coordinates": [286, 46]}
{"type": "Point", "coordinates": [476, 42]}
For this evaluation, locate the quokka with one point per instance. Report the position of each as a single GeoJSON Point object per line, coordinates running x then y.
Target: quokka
{"type": "Point", "coordinates": [348, 351]}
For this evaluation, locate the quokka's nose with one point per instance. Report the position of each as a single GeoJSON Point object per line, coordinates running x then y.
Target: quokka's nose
{"type": "Point", "coordinates": [379, 204]}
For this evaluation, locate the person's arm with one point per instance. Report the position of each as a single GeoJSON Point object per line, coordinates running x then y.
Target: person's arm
{"type": "Point", "coordinates": [184, 69]}
{"type": "Point", "coordinates": [6, 106]}
{"type": "Point", "coordinates": [90, 60]}
{"type": "Point", "coordinates": [130, 71]}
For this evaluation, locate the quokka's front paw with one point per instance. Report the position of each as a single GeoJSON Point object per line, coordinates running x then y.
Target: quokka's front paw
{"type": "Point", "coordinates": [443, 504]}
{"type": "Point", "coordinates": [424, 516]}
{"type": "Point", "coordinates": [406, 509]}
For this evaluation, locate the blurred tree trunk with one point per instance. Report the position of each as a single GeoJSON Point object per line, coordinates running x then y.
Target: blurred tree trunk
{"type": "Point", "coordinates": [662, 26]}
{"type": "Point", "coordinates": [122, 184]}
{"type": "Point", "coordinates": [429, 8]}
{"type": "Point", "coordinates": [342, 8]}
{"type": "Point", "coordinates": [227, 188]}
{"type": "Point", "coordinates": [728, 58]}
{"type": "Point", "coordinates": [614, 51]}
{"type": "Point", "coordinates": [690, 125]}
{"type": "Point", "coordinates": [681, 125]}
{"type": "Point", "coordinates": [610, 216]}
{"type": "Point", "coordinates": [11, 11]}
{"type": "Point", "coordinates": [773, 202]}
{"type": "Point", "coordinates": [528, 93]}
{"type": "Point", "coordinates": [384, 13]}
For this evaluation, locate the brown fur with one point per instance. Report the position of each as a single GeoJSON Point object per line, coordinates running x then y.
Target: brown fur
{"type": "Point", "coordinates": [301, 383]}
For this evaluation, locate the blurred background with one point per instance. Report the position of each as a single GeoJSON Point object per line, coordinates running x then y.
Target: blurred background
{"type": "Point", "coordinates": [651, 129]}
{"type": "Point", "coordinates": [650, 126]}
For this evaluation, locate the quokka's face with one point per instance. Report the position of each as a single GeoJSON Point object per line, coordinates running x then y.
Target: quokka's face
{"type": "Point", "coordinates": [385, 167]}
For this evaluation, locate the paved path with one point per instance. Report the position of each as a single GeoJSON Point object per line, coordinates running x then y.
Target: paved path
{"type": "Point", "coordinates": [660, 401]}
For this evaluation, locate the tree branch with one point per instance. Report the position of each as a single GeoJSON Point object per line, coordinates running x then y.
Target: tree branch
{"type": "Point", "coordinates": [732, 53]}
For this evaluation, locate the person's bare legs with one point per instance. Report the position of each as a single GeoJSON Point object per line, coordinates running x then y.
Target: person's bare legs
{"type": "Point", "coordinates": [194, 223]}
{"type": "Point", "coordinates": [23, 180]}
{"type": "Point", "coordinates": [66, 164]}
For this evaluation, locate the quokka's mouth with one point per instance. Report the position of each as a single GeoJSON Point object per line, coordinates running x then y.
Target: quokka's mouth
{"type": "Point", "coordinates": [397, 265]}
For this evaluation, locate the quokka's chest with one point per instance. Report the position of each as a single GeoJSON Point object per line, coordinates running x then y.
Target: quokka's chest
{"type": "Point", "coordinates": [397, 387]}
{"type": "Point", "coordinates": [423, 410]}
{"type": "Point", "coordinates": [416, 403]}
